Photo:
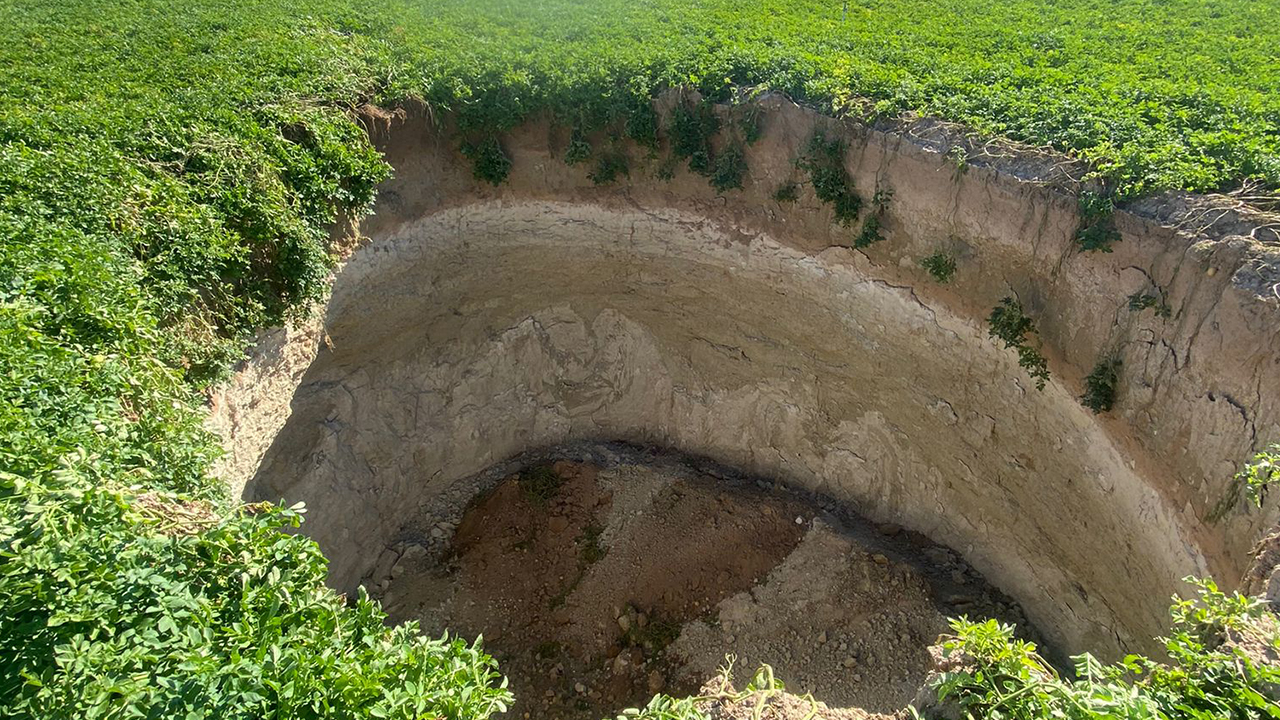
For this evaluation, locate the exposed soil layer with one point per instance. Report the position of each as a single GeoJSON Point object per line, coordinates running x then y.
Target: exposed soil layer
{"type": "Point", "coordinates": [600, 581]}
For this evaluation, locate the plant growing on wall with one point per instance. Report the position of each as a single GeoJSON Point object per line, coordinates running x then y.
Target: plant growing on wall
{"type": "Point", "coordinates": [1260, 473]}
{"type": "Point", "coordinates": [1010, 325]}
{"type": "Point", "coordinates": [940, 265]}
{"type": "Point", "coordinates": [1100, 386]}
{"type": "Point", "coordinates": [1097, 232]}
{"type": "Point", "coordinates": [787, 192]}
{"type": "Point", "coordinates": [489, 162]}
{"type": "Point", "coordinates": [1140, 301]}
{"type": "Point", "coordinates": [823, 159]}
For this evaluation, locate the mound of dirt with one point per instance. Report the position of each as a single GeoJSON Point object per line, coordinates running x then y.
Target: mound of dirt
{"type": "Point", "coordinates": [596, 587]}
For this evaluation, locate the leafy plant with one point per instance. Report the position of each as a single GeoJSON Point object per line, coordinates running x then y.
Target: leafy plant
{"type": "Point", "coordinates": [1100, 385]}
{"type": "Point", "coordinates": [642, 125]}
{"type": "Point", "coordinates": [824, 161]}
{"type": "Point", "coordinates": [1260, 473]}
{"type": "Point", "coordinates": [869, 234]}
{"type": "Point", "coordinates": [1009, 324]}
{"type": "Point", "coordinates": [1097, 231]}
{"type": "Point", "coordinates": [579, 149]}
{"type": "Point", "coordinates": [1140, 301]}
{"type": "Point", "coordinates": [489, 162]}
{"type": "Point", "coordinates": [1208, 673]}
{"type": "Point", "coordinates": [730, 168]}
{"type": "Point", "coordinates": [691, 130]}
{"type": "Point", "coordinates": [749, 124]}
{"type": "Point", "coordinates": [611, 165]}
{"type": "Point", "coordinates": [959, 158]}
{"type": "Point", "coordinates": [787, 192]}
{"type": "Point", "coordinates": [940, 265]}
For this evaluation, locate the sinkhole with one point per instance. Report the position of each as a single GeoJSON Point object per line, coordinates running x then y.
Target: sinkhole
{"type": "Point", "coordinates": [626, 432]}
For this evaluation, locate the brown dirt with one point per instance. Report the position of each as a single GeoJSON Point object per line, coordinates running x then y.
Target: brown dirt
{"type": "Point", "coordinates": [597, 587]}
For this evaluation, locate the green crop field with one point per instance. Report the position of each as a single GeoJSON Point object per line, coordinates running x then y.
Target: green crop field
{"type": "Point", "coordinates": [168, 175]}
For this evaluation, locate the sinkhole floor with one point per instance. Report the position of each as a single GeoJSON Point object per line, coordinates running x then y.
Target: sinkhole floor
{"type": "Point", "coordinates": [602, 578]}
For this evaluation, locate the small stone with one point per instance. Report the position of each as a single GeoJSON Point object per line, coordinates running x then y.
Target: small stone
{"type": "Point", "coordinates": [822, 638]}
{"type": "Point", "coordinates": [624, 622]}
{"type": "Point", "coordinates": [849, 661]}
{"type": "Point", "coordinates": [437, 533]}
{"type": "Point", "coordinates": [580, 688]}
{"type": "Point", "coordinates": [889, 529]}
{"type": "Point", "coordinates": [656, 681]}
{"type": "Point", "coordinates": [730, 640]}
{"type": "Point", "coordinates": [557, 523]}
{"type": "Point", "coordinates": [880, 559]}
{"type": "Point", "coordinates": [799, 520]}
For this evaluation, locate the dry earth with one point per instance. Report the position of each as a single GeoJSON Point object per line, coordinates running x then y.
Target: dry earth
{"type": "Point", "coordinates": [598, 583]}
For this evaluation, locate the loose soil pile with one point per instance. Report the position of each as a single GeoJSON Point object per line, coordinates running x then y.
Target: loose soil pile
{"type": "Point", "coordinates": [597, 585]}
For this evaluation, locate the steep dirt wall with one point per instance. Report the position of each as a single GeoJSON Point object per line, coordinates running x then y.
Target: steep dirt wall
{"type": "Point", "coordinates": [477, 322]}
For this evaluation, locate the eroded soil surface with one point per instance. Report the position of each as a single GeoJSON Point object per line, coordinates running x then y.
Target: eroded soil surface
{"type": "Point", "coordinates": [596, 584]}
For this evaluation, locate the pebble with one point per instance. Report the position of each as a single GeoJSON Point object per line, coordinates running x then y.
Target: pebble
{"type": "Point", "coordinates": [580, 688]}
{"type": "Point", "coordinates": [849, 661]}
{"type": "Point", "coordinates": [822, 638]}
{"type": "Point", "coordinates": [880, 559]}
{"type": "Point", "coordinates": [799, 520]}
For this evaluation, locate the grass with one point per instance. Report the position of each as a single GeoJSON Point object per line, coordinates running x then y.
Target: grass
{"type": "Point", "coordinates": [169, 173]}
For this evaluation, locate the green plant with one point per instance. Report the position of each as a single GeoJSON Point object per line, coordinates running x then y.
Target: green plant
{"type": "Point", "coordinates": [730, 167]}
{"type": "Point", "coordinates": [1097, 231]}
{"type": "Point", "coordinates": [787, 192]}
{"type": "Point", "coordinates": [882, 197]}
{"type": "Point", "coordinates": [642, 125]}
{"type": "Point", "coordinates": [589, 546]}
{"type": "Point", "coordinates": [579, 149]}
{"type": "Point", "coordinates": [824, 161]}
{"type": "Point", "coordinates": [1009, 324]}
{"type": "Point", "coordinates": [959, 158]}
{"type": "Point", "coordinates": [1260, 473]}
{"type": "Point", "coordinates": [1209, 672]}
{"type": "Point", "coordinates": [869, 234]}
{"type": "Point", "coordinates": [540, 483]}
{"type": "Point", "coordinates": [1140, 301]}
{"type": "Point", "coordinates": [749, 124]}
{"type": "Point", "coordinates": [489, 162]}
{"type": "Point", "coordinates": [691, 130]}
{"type": "Point", "coordinates": [1100, 385]}
{"type": "Point", "coordinates": [611, 165]}
{"type": "Point", "coordinates": [940, 265]}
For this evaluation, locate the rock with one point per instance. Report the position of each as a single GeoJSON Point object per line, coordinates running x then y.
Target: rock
{"type": "Point", "coordinates": [822, 638]}
{"type": "Point", "coordinates": [880, 559]}
{"type": "Point", "coordinates": [849, 661]}
{"type": "Point", "coordinates": [656, 682]}
{"type": "Point", "coordinates": [557, 523]}
{"type": "Point", "coordinates": [799, 520]}
{"type": "Point", "coordinates": [888, 529]}
{"type": "Point", "coordinates": [624, 622]}
{"type": "Point", "coordinates": [437, 533]}
{"type": "Point", "coordinates": [580, 688]}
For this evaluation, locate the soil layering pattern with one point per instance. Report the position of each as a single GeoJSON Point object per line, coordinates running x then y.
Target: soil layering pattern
{"type": "Point", "coordinates": [600, 580]}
